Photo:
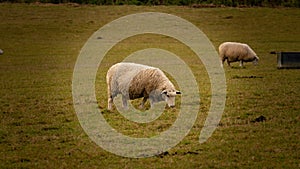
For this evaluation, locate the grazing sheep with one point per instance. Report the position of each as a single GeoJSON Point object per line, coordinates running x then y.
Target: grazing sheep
{"type": "Point", "coordinates": [1, 52]}
{"type": "Point", "coordinates": [233, 52]}
{"type": "Point", "coordinates": [134, 81]}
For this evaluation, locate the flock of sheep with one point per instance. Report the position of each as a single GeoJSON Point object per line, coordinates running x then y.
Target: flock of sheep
{"type": "Point", "coordinates": [134, 81]}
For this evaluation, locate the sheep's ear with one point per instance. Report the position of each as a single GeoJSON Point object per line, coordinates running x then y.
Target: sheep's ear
{"type": "Point", "coordinates": [178, 92]}
{"type": "Point", "coordinates": [164, 92]}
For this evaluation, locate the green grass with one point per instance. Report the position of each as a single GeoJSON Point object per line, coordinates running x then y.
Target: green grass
{"type": "Point", "coordinates": [39, 127]}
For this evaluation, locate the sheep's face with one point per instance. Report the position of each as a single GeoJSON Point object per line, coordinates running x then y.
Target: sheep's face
{"type": "Point", "coordinates": [169, 97]}
{"type": "Point", "coordinates": [255, 61]}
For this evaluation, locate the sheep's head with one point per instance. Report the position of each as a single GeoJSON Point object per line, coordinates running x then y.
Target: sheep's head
{"type": "Point", "coordinates": [169, 96]}
{"type": "Point", "coordinates": [255, 61]}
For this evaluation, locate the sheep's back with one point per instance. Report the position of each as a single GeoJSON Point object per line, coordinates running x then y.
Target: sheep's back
{"type": "Point", "coordinates": [146, 81]}
{"type": "Point", "coordinates": [120, 76]}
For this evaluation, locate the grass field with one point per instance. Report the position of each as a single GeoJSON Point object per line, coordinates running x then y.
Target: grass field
{"type": "Point", "coordinates": [39, 126]}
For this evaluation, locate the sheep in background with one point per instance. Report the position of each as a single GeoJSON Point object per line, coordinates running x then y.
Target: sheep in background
{"type": "Point", "coordinates": [134, 81]}
{"type": "Point", "coordinates": [233, 52]}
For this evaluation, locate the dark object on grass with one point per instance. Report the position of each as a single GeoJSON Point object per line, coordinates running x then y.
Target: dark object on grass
{"type": "Point", "coordinates": [246, 77]}
{"type": "Point", "coordinates": [288, 60]}
{"type": "Point", "coordinates": [163, 154]}
{"type": "Point", "coordinates": [1, 52]}
{"type": "Point", "coordinates": [259, 119]}
{"type": "Point", "coordinates": [190, 152]}
{"type": "Point", "coordinates": [228, 17]}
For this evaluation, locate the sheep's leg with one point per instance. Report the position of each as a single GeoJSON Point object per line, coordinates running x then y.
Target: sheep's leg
{"type": "Point", "coordinates": [228, 62]}
{"type": "Point", "coordinates": [143, 103]}
{"type": "Point", "coordinates": [222, 60]}
{"type": "Point", "coordinates": [241, 63]}
{"type": "Point", "coordinates": [110, 102]}
{"type": "Point", "coordinates": [110, 98]}
{"type": "Point", "coordinates": [222, 63]}
{"type": "Point", "coordinates": [124, 101]}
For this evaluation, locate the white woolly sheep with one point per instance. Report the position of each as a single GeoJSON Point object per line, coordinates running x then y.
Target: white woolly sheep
{"type": "Point", "coordinates": [233, 52]}
{"type": "Point", "coordinates": [134, 81]}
